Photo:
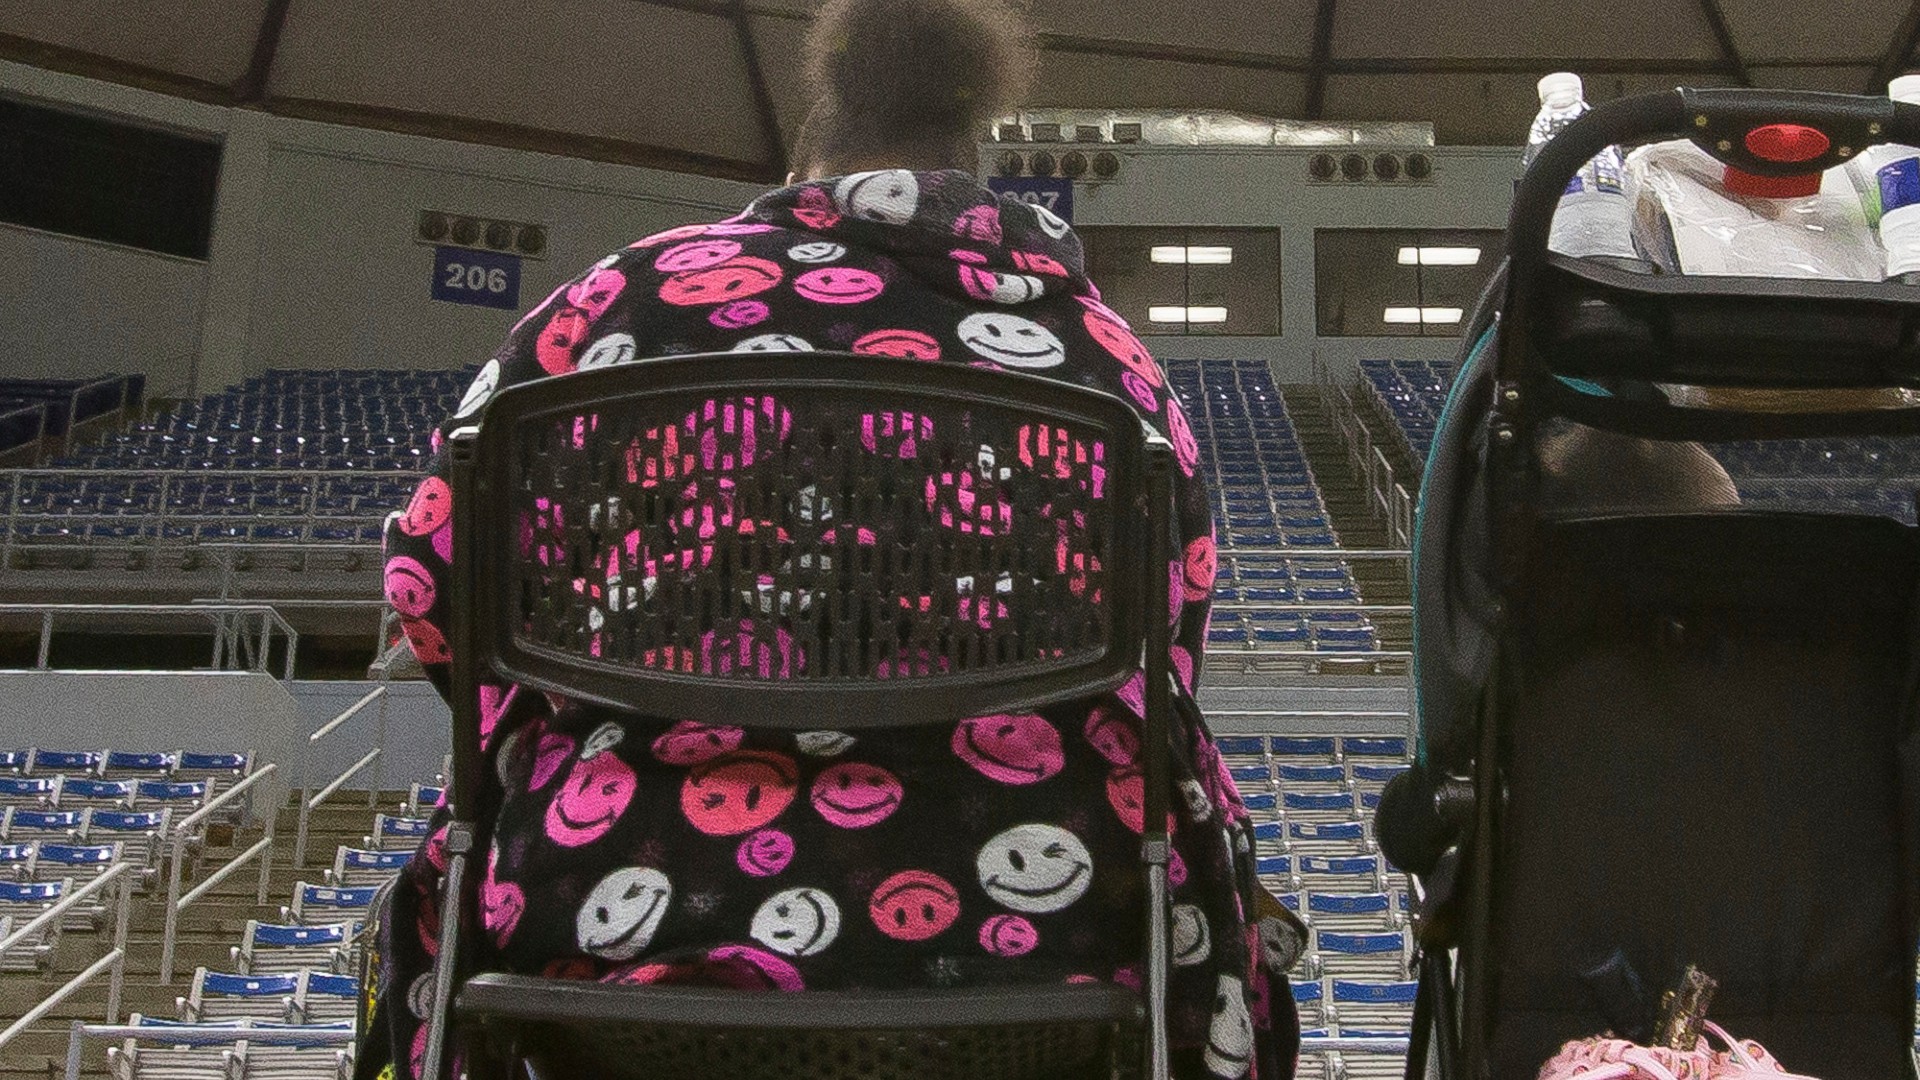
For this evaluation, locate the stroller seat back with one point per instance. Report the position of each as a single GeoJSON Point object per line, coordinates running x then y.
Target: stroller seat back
{"type": "Point", "coordinates": [1707, 760]}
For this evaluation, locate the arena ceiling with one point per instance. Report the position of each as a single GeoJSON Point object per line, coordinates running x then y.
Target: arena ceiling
{"type": "Point", "coordinates": [711, 86]}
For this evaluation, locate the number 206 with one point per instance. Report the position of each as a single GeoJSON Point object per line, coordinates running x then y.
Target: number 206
{"type": "Point", "coordinates": [475, 278]}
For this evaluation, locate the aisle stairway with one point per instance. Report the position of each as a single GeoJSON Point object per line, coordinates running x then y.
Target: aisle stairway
{"type": "Point", "coordinates": [208, 931]}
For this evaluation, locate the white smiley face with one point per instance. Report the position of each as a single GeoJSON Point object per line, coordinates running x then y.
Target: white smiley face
{"type": "Point", "coordinates": [608, 351]}
{"type": "Point", "coordinates": [816, 251]}
{"type": "Point", "coordinates": [1050, 222]}
{"type": "Point", "coordinates": [622, 913]}
{"type": "Point", "coordinates": [823, 743]}
{"type": "Point", "coordinates": [797, 922]}
{"type": "Point", "coordinates": [1035, 868]}
{"type": "Point", "coordinates": [1192, 941]}
{"type": "Point", "coordinates": [773, 343]}
{"type": "Point", "coordinates": [420, 997]}
{"type": "Point", "coordinates": [1016, 288]}
{"type": "Point", "coordinates": [1011, 341]}
{"type": "Point", "coordinates": [484, 384]}
{"type": "Point", "coordinates": [604, 738]}
{"type": "Point", "coordinates": [1230, 1036]}
{"type": "Point", "coordinates": [1281, 943]}
{"type": "Point", "coordinates": [889, 195]}
{"type": "Point", "coordinates": [1199, 807]}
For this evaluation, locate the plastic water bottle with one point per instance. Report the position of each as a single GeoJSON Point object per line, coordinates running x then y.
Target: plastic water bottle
{"type": "Point", "coordinates": [1898, 173]}
{"type": "Point", "coordinates": [1595, 217]}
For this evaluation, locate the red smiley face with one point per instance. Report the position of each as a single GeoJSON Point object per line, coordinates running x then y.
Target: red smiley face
{"type": "Point", "coordinates": [560, 340]}
{"type": "Point", "coordinates": [688, 743]}
{"type": "Point", "coordinates": [853, 795]}
{"type": "Point", "coordinates": [739, 792]}
{"type": "Point", "coordinates": [838, 285]}
{"type": "Point", "coordinates": [426, 640]}
{"type": "Point", "coordinates": [1201, 564]}
{"type": "Point", "coordinates": [914, 905]}
{"type": "Point", "coordinates": [696, 255]}
{"type": "Point", "coordinates": [596, 292]}
{"type": "Point", "coordinates": [906, 344]}
{"type": "Point", "coordinates": [1111, 332]}
{"type": "Point", "coordinates": [1124, 793]}
{"type": "Point", "coordinates": [591, 799]}
{"type": "Point", "coordinates": [1013, 749]}
{"type": "Point", "coordinates": [409, 587]}
{"type": "Point", "coordinates": [1114, 736]}
{"type": "Point", "coordinates": [432, 507]}
{"type": "Point", "coordinates": [1008, 935]}
{"type": "Point", "coordinates": [729, 281]}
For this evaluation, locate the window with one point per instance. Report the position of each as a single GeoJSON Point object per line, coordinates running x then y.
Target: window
{"type": "Point", "coordinates": [1223, 282]}
{"type": "Point", "coordinates": [1400, 282]}
{"type": "Point", "coordinates": [107, 180]}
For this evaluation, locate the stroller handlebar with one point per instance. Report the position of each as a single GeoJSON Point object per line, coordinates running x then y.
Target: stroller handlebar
{"type": "Point", "coordinates": [1771, 133]}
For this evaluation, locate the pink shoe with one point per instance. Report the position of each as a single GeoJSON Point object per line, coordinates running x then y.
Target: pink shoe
{"type": "Point", "coordinates": [1618, 1059]}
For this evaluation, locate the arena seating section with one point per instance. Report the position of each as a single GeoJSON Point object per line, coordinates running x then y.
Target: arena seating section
{"type": "Point", "coordinates": [38, 413]}
{"type": "Point", "coordinates": [1876, 476]}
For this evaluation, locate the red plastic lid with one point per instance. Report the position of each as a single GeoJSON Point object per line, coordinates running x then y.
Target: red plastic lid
{"type": "Point", "coordinates": [1771, 187]}
{"type": "Point", "coordinates": [1787, 143]}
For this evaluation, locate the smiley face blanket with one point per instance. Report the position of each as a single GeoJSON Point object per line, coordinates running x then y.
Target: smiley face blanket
{"type": "Point", "coordinates": [1001, 850]}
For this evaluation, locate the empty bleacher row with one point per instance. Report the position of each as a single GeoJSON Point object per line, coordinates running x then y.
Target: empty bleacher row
{"type": "Point", "coordinates": [1871, 475]}
{"type": "Point", "coordinates": [1270, 593]}
{"type": "Point", "coordinates": [1312, 799]}
{"type": "Point", "coordinates": [39, 414]}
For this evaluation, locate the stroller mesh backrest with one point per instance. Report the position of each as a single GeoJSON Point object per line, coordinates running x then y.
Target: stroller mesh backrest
{"type": "Point", "coordinates": [701, 534]}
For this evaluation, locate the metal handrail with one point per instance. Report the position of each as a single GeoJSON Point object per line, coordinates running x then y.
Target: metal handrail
{"type": "Point", "coordinates": [181, 832]}
{"type": "Point", "coordinates": [1324, 1043]}
{"type": "Point", "coordinates": [115, 958]}
{"type": "Point", "coordinates": [199, 1035]}
{"type": "Point", "coordinates": [311, 801]}
{"type": "Point", "coordinates": [270, 621]}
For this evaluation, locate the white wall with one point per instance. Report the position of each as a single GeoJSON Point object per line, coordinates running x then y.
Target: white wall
{"type": "Point", "coordinates": [314, 264]}
{"type": "Point", "coordinates": [313, 261]}
{"type": "Point", "coordinates": [1471, 188]}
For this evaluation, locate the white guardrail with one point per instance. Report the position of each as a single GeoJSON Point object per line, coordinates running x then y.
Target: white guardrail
{"type": "Point", "coordinates": [115, 959]}
{"type": "Point", "coordinates": [310, 800]}
{"type": "Point", "coordinates": [182, 833]}
{"type": "Point", "coordinates": [200, 1035]}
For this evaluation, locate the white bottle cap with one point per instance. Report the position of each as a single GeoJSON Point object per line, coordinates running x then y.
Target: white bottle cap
{"type": "Point", "coordinates": [1905, 88]}
{"type": "Point", "coordinates": [1560, 89]}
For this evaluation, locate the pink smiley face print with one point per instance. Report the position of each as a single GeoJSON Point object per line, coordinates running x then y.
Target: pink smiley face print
{"type": "Point", "coordinates": [980, 223]}
{"type": "Point", "coordinates": [682, 232]}
{"type": "Point", "coordinates": [914, 905]}
{"type": "Point", "coordinates": [596, 292]}
{"type": "Point", "coordinates": [1113, 735]}
{"type": "Point", "coordinates": [745, 967]}
{"type": "Point", "coordinates": [1112, 334]}
{"type": "Point", "coordinates": [765, 853]}
{"type": "Point", "coordinates": [1141, 393]}
{"type": "Point", "coordinates": [739, 315]}
{"type": "Point", "coordinates": [1008, 935]}
{"type": "Point", "coordinates": [854, 795]}
{"type": "Point", "coordinates": [431, 507]}
{"type": "Point", "coordinates": [839, 285]}
{"type": "Point", "coordinates": [729, 281]}
{"type": "Point", "coordinates": [1011, 748]}
{"type": "Point", "coordinates": [814, 208]}
{"type": "Point", "coordinates": [738, 792]}
{"type": "Point", "coordinates": [426, 640]}
{"type": "Point", "coordinates": [1199, 565]}
{"type": "Point", "coordinates": [1186, 452]}
{"type": "Point", "coordinates": [501, 905]}
{"type": "Point", "coordinates": [549, 756]}
{"type": "Point", "coordinates": [558, 343]}
{"type": "Point", "coordinates": [409, 587]}
{"type": "Point", "coordinates": [696, 255]}
{"type": "Point", "coordinates": [689, 743]}
{"type": "Point", "coordinates": [906, 344]}
{"type": "Point", "coordinates": [1125, 793]}
{"type": "Point", "coordinates": [590, 800]}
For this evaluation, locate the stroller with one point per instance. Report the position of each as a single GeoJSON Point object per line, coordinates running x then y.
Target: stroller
{"type": "Point", "coordinates": [1657, 730]}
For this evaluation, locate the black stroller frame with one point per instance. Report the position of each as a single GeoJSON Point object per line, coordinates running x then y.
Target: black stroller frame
{"type": "Point", "coordinates": [1654, 733]}
{"type": "Point", "coordinates": [504, 628]}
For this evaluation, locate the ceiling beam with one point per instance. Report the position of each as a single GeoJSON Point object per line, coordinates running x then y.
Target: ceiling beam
{"type": "Point", "coordinates": [1899, 52]}
{"type": "Point", "coordinates": [1316, 101]}
{"type": "Point", "coordinates": [71, 61]}
{"type": "Point", "coordinates": [770, 133]}
{"type": "Point", "coordinates": [1717, 22]}
{"type": "Point", "coordinates": [266, 46]}
{"type": "Point", "coordinates": [518, 137]}
{"type": "Point", "coordinates": [1177, 54]}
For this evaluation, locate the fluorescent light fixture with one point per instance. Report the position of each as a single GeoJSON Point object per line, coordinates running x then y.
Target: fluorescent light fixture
{"type": "Point", "coordinates": [1202, 255]}
{"type": "Point", "coordinates": [1173, 313]}
{"type": "Point", "coordinates": [1439, 256]}
{"type": "Point", "coordinates": [1431, 315]}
